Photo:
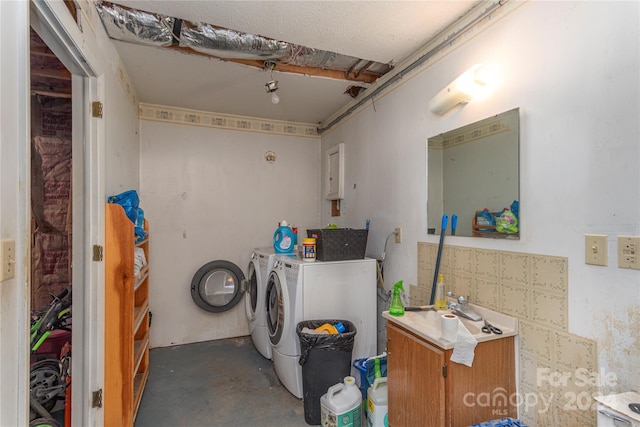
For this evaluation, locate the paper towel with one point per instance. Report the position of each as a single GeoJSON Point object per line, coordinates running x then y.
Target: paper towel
{"type": "Point", "coordinates": [465, 344]}
{"type": "Point", "coordinates": [449, 327]}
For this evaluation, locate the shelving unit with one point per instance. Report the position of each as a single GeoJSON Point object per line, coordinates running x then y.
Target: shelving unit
{"type": "Point", "coordinates": [126, 319]}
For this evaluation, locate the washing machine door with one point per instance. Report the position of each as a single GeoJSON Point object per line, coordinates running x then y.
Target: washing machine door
{"type": "Point", "coordinates": [217, 286]}
{"type": "Point", "coordinates": [275, 300]}
{"type": "Point", "coordinates": [252, 288]}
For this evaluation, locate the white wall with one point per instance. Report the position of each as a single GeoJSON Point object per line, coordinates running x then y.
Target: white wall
{"type": "Point", "coordinates": [14, 211]}
{"type": "Point", "coordinates": [209, 194]}
{"type": "Point", "coordinates": [99, 59]}
{"type": "Point", "coordinates": [572, 68]}
{"type": "Point", "coordinates": [122, 147]}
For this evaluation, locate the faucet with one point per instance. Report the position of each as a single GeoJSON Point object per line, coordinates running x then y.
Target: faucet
{"type": "Point", "coordinates": [461, 308]}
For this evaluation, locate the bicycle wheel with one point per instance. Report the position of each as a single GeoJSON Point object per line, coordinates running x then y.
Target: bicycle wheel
{"type": "Point", "coordinates": [46, 382]}
{"type": "Point", "coordinates": [44, 422]}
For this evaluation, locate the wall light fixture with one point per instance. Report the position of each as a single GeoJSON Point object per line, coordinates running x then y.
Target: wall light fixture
{"type": "Point", "coordinates": [471, 83]}
{"type": "Point", "coordinates": [272, 85]}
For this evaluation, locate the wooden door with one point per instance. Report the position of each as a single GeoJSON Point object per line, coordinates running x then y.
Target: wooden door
{"type": "Point", "coordinates": [415, 381]}
{"type": "Point", "coordinates": [486, 391]}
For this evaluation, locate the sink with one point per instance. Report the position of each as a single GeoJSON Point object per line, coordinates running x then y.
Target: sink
{"type": "Point", "coordinates": [431, 320]}
{"type": "Point", "coordinates": [427, 324]}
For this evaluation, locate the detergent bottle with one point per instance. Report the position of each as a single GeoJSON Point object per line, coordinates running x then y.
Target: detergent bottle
{"type": "Point", "coordinates": [396, 308]}
{"type": "Point", "coordinates": [441, 299]}
{"type": "Point", "coordinates": [283, 239]}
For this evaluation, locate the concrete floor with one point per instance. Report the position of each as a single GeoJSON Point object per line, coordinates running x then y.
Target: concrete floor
{"type": "Point", "coordinates": [216, 383]}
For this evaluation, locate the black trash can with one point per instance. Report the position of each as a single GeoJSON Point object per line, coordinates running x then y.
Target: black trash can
{"type": "Point", "coordinates": [325, 361]}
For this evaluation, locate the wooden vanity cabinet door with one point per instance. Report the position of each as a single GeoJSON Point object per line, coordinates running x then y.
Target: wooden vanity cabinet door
{"type": "Point", "coordinates": [415, 381]}
{"type": "Point", "coordinates": [485, 391]}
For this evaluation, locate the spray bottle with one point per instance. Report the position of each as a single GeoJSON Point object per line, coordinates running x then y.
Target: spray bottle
{"type": "Point", "coordinates": [396, 308]}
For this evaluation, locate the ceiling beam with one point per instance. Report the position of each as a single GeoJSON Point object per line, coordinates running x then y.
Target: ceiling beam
{"type": "Point", "coordinates": [362, 75]}
{"type": "Point", "coordinates": [42, 51]}
{"type": "Point", "coordinates": [51, 74]}
{"type": "Point", "coordinates": [51, 94]}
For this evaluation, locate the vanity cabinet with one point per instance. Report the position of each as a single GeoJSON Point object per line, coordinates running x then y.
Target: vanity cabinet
{"type": "Point", "coordinates": [427, 389]}
{"type": "Point", "coordinates": [126, 362]}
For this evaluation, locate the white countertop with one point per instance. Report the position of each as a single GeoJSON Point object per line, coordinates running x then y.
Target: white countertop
{"type": "Point", "coordinates": [620, 403]}
{"type": "Point", "coordinates": [426, 324]}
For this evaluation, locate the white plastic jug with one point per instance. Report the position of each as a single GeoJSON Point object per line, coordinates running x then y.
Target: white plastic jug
{"type": "Point", "coordinates": [341, 406]}
{"type": "Point", "coordinates": [377, 406]}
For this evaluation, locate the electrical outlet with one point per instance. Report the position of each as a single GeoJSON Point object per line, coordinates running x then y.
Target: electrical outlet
{"type": "Point", "coordinates": [595, 249]}
{"type": "Point", "coordinates": [7, 259]}
{"type": "Point", "coordinates": [628, 252]}
{"type": "Point", "coordinates": [398, 235]}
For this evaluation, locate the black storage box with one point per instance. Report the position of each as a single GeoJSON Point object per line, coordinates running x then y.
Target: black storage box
{"type": "Point", "coordinates": [339, 243]}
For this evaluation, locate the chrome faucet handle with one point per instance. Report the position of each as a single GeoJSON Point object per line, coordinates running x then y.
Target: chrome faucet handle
{"type": "Point", "coordinates": [462, 300]}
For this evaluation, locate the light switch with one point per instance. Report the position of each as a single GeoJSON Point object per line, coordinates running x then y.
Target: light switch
{"type": "Point", "coordinates": [8, 259]}
{"type": "Point", "coordinates": [595, 249]}
{"type": "Point", "coordinates": [628, 256]}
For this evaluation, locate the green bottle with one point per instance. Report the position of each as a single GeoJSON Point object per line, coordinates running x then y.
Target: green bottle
{"type": "Point", "coordinates": [396, 308]}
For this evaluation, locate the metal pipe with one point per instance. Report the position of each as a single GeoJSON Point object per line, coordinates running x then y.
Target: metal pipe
{"type": "Point", "coordinates": [398, 75]}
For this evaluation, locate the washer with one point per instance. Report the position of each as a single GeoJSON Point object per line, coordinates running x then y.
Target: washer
{"type": "Point", "coordinates": [217, 286]}
{"type": "Point", "coordinates": [299, 290]}
{"type": "Point", "coordinates": [258, 271]}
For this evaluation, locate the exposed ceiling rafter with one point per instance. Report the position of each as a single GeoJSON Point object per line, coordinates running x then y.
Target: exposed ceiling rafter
{"type": "Point", "coordinates": [152, 29]}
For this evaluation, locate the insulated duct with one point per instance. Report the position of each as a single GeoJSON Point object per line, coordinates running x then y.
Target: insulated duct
{"type": "Point", "coordinates": [153, 29]}
{"type": "Point", "coordinates": [136, 26]}
{"type": "Point", "coordinates": [225, 43]}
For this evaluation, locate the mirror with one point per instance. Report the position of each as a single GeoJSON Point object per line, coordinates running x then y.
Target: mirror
{"type": "Point", "coordinates": [473, 168]}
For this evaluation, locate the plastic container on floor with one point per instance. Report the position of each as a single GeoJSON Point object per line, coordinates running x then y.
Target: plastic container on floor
{"type": "Point", "coordinates": [361, 367]}
{"type": "Point", "coordinates": [342, 405]}
{"type": "Point", "coordinates": [377, 406]}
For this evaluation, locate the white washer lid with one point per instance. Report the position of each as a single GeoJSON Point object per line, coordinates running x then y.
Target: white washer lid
{"type": "Point", "coordinates": [620, 403]}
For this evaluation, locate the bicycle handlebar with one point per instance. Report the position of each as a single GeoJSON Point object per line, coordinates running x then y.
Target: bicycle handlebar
{"type": "Point", "coordinates": [62, 294]}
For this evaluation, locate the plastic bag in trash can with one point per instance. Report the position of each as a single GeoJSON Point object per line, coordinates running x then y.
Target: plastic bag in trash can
{"type": "Point", "coordinates": [340, 342]}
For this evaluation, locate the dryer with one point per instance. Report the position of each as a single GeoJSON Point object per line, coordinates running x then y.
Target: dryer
{"type": "Point", "coordinates": [299, 290]}
{"type": "Point", "coordinates": [258, 272]}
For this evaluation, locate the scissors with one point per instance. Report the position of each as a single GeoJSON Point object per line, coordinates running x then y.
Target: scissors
{"type": "Point", "coordinates": [489, 328]}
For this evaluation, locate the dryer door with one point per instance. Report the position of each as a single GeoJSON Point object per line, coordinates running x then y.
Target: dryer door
{"type": "Point", "coordinates": [275, 300]}
{"type": "Point", "coordinates": [252, 288]}
{"type": "Point", "coordinates": [217, 286]}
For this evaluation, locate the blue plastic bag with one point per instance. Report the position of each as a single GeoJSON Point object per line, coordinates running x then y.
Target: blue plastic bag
{"type": "Point", "coordinates": [515, 208]}
{"type": "Point", "coordinates": [139, 225]}
{"type": "Point", "coordinates": [485, 218]}
{"type": "Point", "coordinates": [129, 201]}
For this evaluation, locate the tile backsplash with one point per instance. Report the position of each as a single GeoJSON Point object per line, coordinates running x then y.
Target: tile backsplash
{"type": "Point", "coordinates": [557, 370]}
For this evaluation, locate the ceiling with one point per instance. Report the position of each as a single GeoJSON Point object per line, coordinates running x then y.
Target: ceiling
{"type": "Point", "coordinates": [382, 31]}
